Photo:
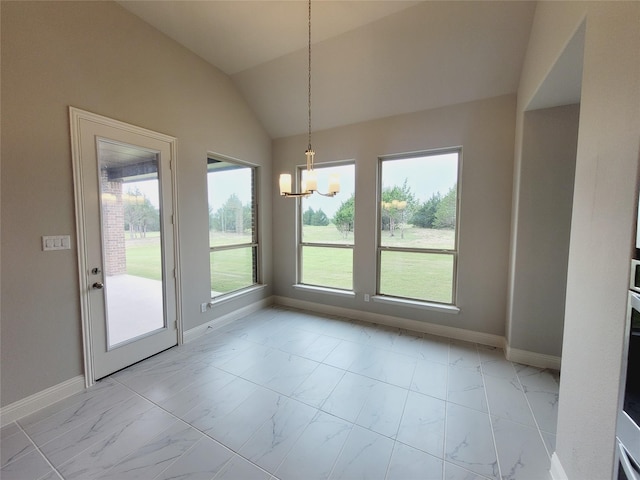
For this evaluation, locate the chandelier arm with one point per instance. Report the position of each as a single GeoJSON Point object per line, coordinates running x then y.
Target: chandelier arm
{"type": "Point", "coordinates": [330, 194]}
{"type": "Point", "coordinates": [293, 194]}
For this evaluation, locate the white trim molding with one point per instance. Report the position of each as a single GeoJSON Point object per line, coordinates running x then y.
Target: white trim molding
{"type": "Point", "coordinates": [196, 332]}
{"type": "Point", "coordinates": [534, 359]}
{"type": "Point", "coordinates": [37, 401]}
{"type": "Point", "coordinates": [556, 471]}
{"type": "Point", "coordinates": [390, 321]}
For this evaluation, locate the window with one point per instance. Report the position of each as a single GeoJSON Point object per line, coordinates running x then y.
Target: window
{"type": "Point", "coordinates": [326, 226]}
{"type": "Point", "coordinates": [417, 229]}
{"type": "Point", "coordinates": [233, 239]}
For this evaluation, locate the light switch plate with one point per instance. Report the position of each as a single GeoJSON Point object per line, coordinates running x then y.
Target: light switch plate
{"type": "Point", "coordinates": [56, 242]}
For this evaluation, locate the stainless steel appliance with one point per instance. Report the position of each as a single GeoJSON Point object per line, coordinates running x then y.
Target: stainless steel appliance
{"type": "Point", "coordinates": [628, 431]}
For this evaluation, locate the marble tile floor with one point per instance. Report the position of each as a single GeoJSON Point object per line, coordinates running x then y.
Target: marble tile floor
{"type": "Point", "coordinates": [291, 395]}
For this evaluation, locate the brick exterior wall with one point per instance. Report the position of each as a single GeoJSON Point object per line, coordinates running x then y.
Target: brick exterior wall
{"type": "Point", "coordinates": [113, 226]}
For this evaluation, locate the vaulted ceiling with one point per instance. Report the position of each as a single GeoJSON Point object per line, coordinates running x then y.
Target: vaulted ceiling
{"type": "Point", "coordinates": [370, 59]}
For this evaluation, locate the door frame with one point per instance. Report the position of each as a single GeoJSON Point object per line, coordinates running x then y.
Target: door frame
{"type": "Point", "coordinates": [76, 116]}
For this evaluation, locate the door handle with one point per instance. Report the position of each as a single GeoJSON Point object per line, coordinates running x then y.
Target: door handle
{"type": "Point", "coordinates": [98, 285]}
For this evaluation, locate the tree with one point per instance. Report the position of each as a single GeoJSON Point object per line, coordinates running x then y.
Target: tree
{"type": "Point", "coordinates": [140, 215]}
{"type": "Point", "coordinates": [425, 215]}
{"type": "Point", "coordinates": [446, 212]}
{"type": "Point", "coordinates": [320, 219]}
{"type": "Point", "coordinates": [231, 217]}
{"type": "Point", "coordinates": [307, 216]}
{"type": "Point", "coordinates": [315, 217]}
{"type": "Point", "coordinates": [398, 203]}
{"type": "Point", "coordinates": [344, 217]}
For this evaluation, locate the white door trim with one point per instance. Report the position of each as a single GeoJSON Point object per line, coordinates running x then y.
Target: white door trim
{"type": "Point", "coordinates": [76, 116]}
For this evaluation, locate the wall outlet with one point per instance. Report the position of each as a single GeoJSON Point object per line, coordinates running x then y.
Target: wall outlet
{"type": "Point", "coordinates": [203, 307]}
{"type": "Point", "coordinates": [366, 297]}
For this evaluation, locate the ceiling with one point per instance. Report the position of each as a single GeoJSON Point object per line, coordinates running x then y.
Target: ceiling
{"type": "Point", "coordinates": [370, 59]}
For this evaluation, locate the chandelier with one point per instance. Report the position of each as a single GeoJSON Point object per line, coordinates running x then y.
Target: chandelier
{"type": "Point", "coordinates": [309, 183]}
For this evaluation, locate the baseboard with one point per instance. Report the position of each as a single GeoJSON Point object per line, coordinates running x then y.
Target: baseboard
{"type": "Point", "coordinates": [196, 332]}
{"type": "Point", "coordinates": [556, 470]}
{"type": "Point", "coordinates": [42, 399]}
{"type": "Point", "coordinates": [531, 358]}
{"type": "Point", "coordinates": [390, 321]}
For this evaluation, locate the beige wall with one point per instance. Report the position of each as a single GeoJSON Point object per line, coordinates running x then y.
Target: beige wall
{"type": "Point", "coordinates": [485, 130]}
{"type": "Point", "coordinates": [545, 192]}
{"type": "Point", "coordinates": [603, 218]}
{"type": "Point", "coordinates": [98, 57]}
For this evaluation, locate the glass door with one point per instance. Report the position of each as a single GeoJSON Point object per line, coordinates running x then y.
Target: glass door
{"type": "Point", "coordinates": [131, 241]}
{"type": "Point", "coordinates": [127, 250]}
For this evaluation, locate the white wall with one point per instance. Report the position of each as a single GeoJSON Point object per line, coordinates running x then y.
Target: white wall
{"type": "Point", "coordinates": [602, 229]}
{"type": "Point", "coordinates": [545, 193]}
{"type": "Point", "coordinates": [99, 57]}
{"type": "Point", "coordinates": [485, 130]}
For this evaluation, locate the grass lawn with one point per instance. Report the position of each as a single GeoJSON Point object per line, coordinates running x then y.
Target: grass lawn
{"type": "Point", "coordinates": [231, 269]}
{"type": "Point", "coordinates": [144, 258]}
{"type": "Point", "coordinates": [403, 274]}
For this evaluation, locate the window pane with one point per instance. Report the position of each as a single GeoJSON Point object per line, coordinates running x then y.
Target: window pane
{"type": "Point", "coordinates": [231, 215]}
{"type": "Point", "coordinates": [420, 276]}
{"type": "Point", "coordinates": [330, 219]}
{"type": "Point", "coordinates": [232, 269]}
{"type": "Point", "coordinates": [419, 201]}
{"type": "Point", "coordinates": [327, 267]}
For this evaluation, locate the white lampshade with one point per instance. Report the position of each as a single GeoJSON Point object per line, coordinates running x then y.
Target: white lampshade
{"type": "Point", "coordinates": [312, 181]}
{"type": "Point", "coordinates": [334, 183]}
{"type": "Point", "coordinates": [285, 183]}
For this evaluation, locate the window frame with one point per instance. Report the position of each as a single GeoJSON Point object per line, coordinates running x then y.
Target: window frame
{"type": "Point", "coordinates": [438, 251]}
{"type": "Point", "coordinates": [300, 238]}
{"type": "Point", "coordinates": [255, 234]}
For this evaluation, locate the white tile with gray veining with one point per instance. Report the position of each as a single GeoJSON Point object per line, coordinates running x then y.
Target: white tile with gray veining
{"type": "Point", "coordinates": [29, 466]}
{"type": "Point", "coordinates": [349, 396]}
{"type": "Point", "coordinates": [454, 472]}
{"type": "Point", "coordinates": [469, 441]}
{"type": "Point", "coordinates": [408, 463]}
{"type": "Point", "coordinates": [201, 462]}
{"type": "Point", "coordinates": [237, 426]}
{"type": "Point", "coordinates": [507, 400]}
{"type": "Point", "coordinates": [113, 419]}
{"type": "Point", "coordinates": [316, 450]}
{"type": "Point", "coordinates": [273, 440]}
{"type": "Point", "coordinates": [463, 354]}
{"type": "Point", "coordinates": [383, 409]}
{"type": "Point", "coordinates": [365, 454]}
{"type": "Point", "coordinates": [283, 394]}
{"type": "Point", "coordinates": [430, 378]}
{"type": "Point", "coordinates": [541, 387]}
{"type": "Point", "coordinates": [155, 455]}
{"type": "Point", "coordinates": [318, 385]}
{"type": "Point", "coordinates": [100, 457]}
{"type": "Point", "coordinates": [466, 387]}
{"type": "Point", "coordinates": [521, 451]}
{"type": "Point", "coordinates": [433, 349]}
{"type": "Point", "coordinates": [15, 445]}
{"type": "Point", "coordinates": [423, 424]}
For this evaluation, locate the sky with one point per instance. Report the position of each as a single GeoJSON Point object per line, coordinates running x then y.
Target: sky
{"type": "Point", "coordinates": [227, 183]}
{"type": "Point", "coordinates": [425, 176]}
{"type": "Point", "coordinates": [149, 188]}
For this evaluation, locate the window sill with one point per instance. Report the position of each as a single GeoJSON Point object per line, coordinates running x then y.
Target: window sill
{"type": "Point", "coordinates": [326, 290]}
{"type": "Point", "coordinates": [233, 295]}
{"type": "Point", "coordinates": [437, 307]}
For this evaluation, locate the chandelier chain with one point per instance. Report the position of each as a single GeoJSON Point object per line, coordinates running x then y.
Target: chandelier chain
{"type": "Point", "coordinates": [309, 103]}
